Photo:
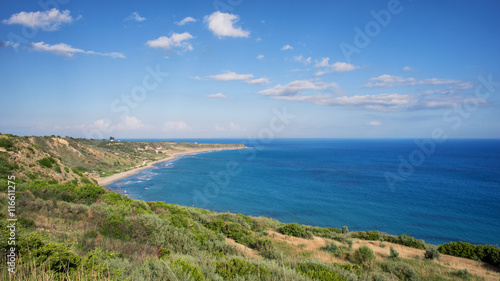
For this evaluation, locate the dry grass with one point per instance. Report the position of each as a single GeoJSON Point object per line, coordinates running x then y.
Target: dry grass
{"type": "Point", "coordinates": [246, 251]}
{"type": "Point", "coordinates": [483, 270]}
{"type": "Point", "coordinates": [303, 247]}
{"type": "Point", "coordinates": [307, 248]}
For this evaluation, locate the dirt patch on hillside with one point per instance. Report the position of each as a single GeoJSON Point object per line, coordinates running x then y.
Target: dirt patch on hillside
{"type": "Point", "coordinates": [247, 252]}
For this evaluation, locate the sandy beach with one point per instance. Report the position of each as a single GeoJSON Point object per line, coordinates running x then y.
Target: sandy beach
{"type": "Point", "coordinates": [107, 180]}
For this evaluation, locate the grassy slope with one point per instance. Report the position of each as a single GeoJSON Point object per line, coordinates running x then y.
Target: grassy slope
{"type": "Point", "coordinates": [86, 233]}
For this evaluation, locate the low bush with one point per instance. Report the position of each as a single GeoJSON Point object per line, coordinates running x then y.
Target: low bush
{"type": "Point", "coordinates": [486, 253]}
{"type": "Point", "coordinates": [238, 267]}
{"type": "Point", "coordinates": [363, 256]}
{"type": "Point", "coordinates": [295, 229]}
{"type": "Point", "coordinates": [394, 253]}
{"type": "Point", "coordinates": [46, 162]}
{"type": "Point", "coordinates": [431, 253]}
{"type": "Point", "coordinates": [318, 271]}
{"type": "Point", "coordinates": [400, 269]}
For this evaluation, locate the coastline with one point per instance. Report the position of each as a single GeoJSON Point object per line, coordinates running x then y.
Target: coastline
{"type": "Point", "coordinates": [108, 180]}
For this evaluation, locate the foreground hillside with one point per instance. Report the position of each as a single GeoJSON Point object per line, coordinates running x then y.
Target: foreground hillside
{"type": "Point", "coordinates": [77, 230]}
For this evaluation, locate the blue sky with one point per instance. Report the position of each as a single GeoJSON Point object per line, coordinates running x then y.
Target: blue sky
{"type": "Point", "coordinates": [224, 68]}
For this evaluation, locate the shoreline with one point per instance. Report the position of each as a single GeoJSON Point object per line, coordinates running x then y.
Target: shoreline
{"type": "Point", "coordinates": [108, 180]}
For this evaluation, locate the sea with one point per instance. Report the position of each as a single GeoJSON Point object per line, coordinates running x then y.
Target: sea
{"type": "Point", "coordinates": [436, 191]}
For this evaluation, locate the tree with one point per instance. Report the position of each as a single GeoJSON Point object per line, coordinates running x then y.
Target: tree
{"type": "Point", "coordinates": [394, 253]}
{"type": "Point", "coordinates": [345, 230]}
{"type": "Point", "coordinates": [363, 255]}
{"type": "Point", "coordinates": [432, 253]}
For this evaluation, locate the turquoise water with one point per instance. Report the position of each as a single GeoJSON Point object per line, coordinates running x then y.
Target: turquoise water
{"type": "Point", "coordinates": [453, 194]}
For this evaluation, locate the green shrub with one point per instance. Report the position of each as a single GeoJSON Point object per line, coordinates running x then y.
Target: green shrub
{"type": "Point", "coordinates": [394, 253]}
{"type": "Point", "coordinates": [56, 256]}
{"type": "Point", "coordinates": [431, 253]}
{"type": "Point", "coordinates": [5, 167]}
{"type": "Point", "coordinates": [6, 143]}
{"type": "Point", "coordinates": [406, 240]}
{"type": "Point", "coordinates": [295, 229]}
{"type": "Point", "coordinates": [26, 223]}
{"type": "Point", "coordinates": [238, 267]}
{"type": "Point", "coordinates": [188, 269]}
{"type": "Point", "coordinates": [486, 253]}
{"type": "Point", "coordinates": [75, 170]}
{"type": "Point", "coordinates": [363, 256]}
{"type": "Point", "coordinates": [266, 248]}
{"type": "Point", "coordinates": [400, 269]}
{"type": "Point", "coordinates": [66, 169]}
{"type": "Point", "coordinates": [46, 162]}
{"type": "Point", "coordinates": [345, 229]}
{"type": "Point", "coordinates": [85, 180]}
{"type": "Point", "coordinates": [333, 248]}
{"type": "Point", "coordinates": [318, 271]}
{"type": "Point", "coordinates": [464, 274]}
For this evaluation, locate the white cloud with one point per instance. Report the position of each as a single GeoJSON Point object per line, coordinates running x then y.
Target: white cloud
{"type": "Point", "coordinates": [388, 81]}
{"type": "Point", "coordinates": [176, 126]}
{"type": "Point", "coordinates": [5, 44]}
{"type": "Point", "coordinates": [286, 47]}
{"type": "Point", "coordinates": [296, 87]}
{"type": "Point", "coordinates": [336, 67]}
{"type": "Point", "coordinates": [46, 20]}
{"type": "Point", "coordinates": [260, 57]}
{"type": "Point", "coordinates": [222, 24]}
{"type": "Point", "coordinates": [231, 76]}
{"type": "Point", "coordinates": [130, 123]}
{"type": "Point", "coordinates": [231, 127]}
{"type": "Point", "coordinates": [185, 21]}
{"type": "Point", "coordinates": [383, 102]}
{"type": "Point", "coordinates": [177, 40]}
{"type": "Point", "coordinates": [374, 123]}
{"type": "Point", "coordinates": [323, 63]}
{"type": "Point", "coordinates": [300, 58]}
{"type": "Point", "coordinates": [218, 95]}
{"type": "Point", "coordinates": [408, 68]}
{"type": "Point", "coordinates": [247, 78]}
{"type": "Point", "coordinates": [135, 16]}
{"type": "Point", "coordinates": [263, 80]}
{"type": "Point", "coordinates": [65, 50]}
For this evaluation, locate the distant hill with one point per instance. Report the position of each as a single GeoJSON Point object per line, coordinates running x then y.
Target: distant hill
{"type": "Point", "coordinates": [62, 160]}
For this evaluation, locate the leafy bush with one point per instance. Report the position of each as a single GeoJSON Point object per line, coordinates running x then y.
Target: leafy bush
{"type": "Point", "coordinates": [345, 230]}
{"type": "Point", "coordinates": [46, 162]}
{"type": "Point", "coordinates": [188, 269]}
{"type": "Point", "coordinates": [486, 253]}
{"type": "Point", "coordinates": [406, 240]}
{"type": "Point", "coordinates": [6, 143]}
{"type": "Point", "coordinates": [333, 248]}
{"type": "Point", "coordinates": [394, 253]}
{"type": "Point", "coordinates": [431, 253]}
{"type": "Point", "coordinates": [464, 274]}
{"type": "Point", "coordinates": [5, 167]}
{"type": "Point", "coordinates": [363, 255]}
{"type": "Point", "coordinates": [295, 229]}
{"type": "Point", "coordinates": [65, 192]}
{"type": "Point", "coordinates": [56, 256]}
{"type": "Point", "coordinates": [318, 271]}
{"type": "Point", "coordinates": [402, 270]}
{"type": "Point", "coordinates": [238, 267]}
